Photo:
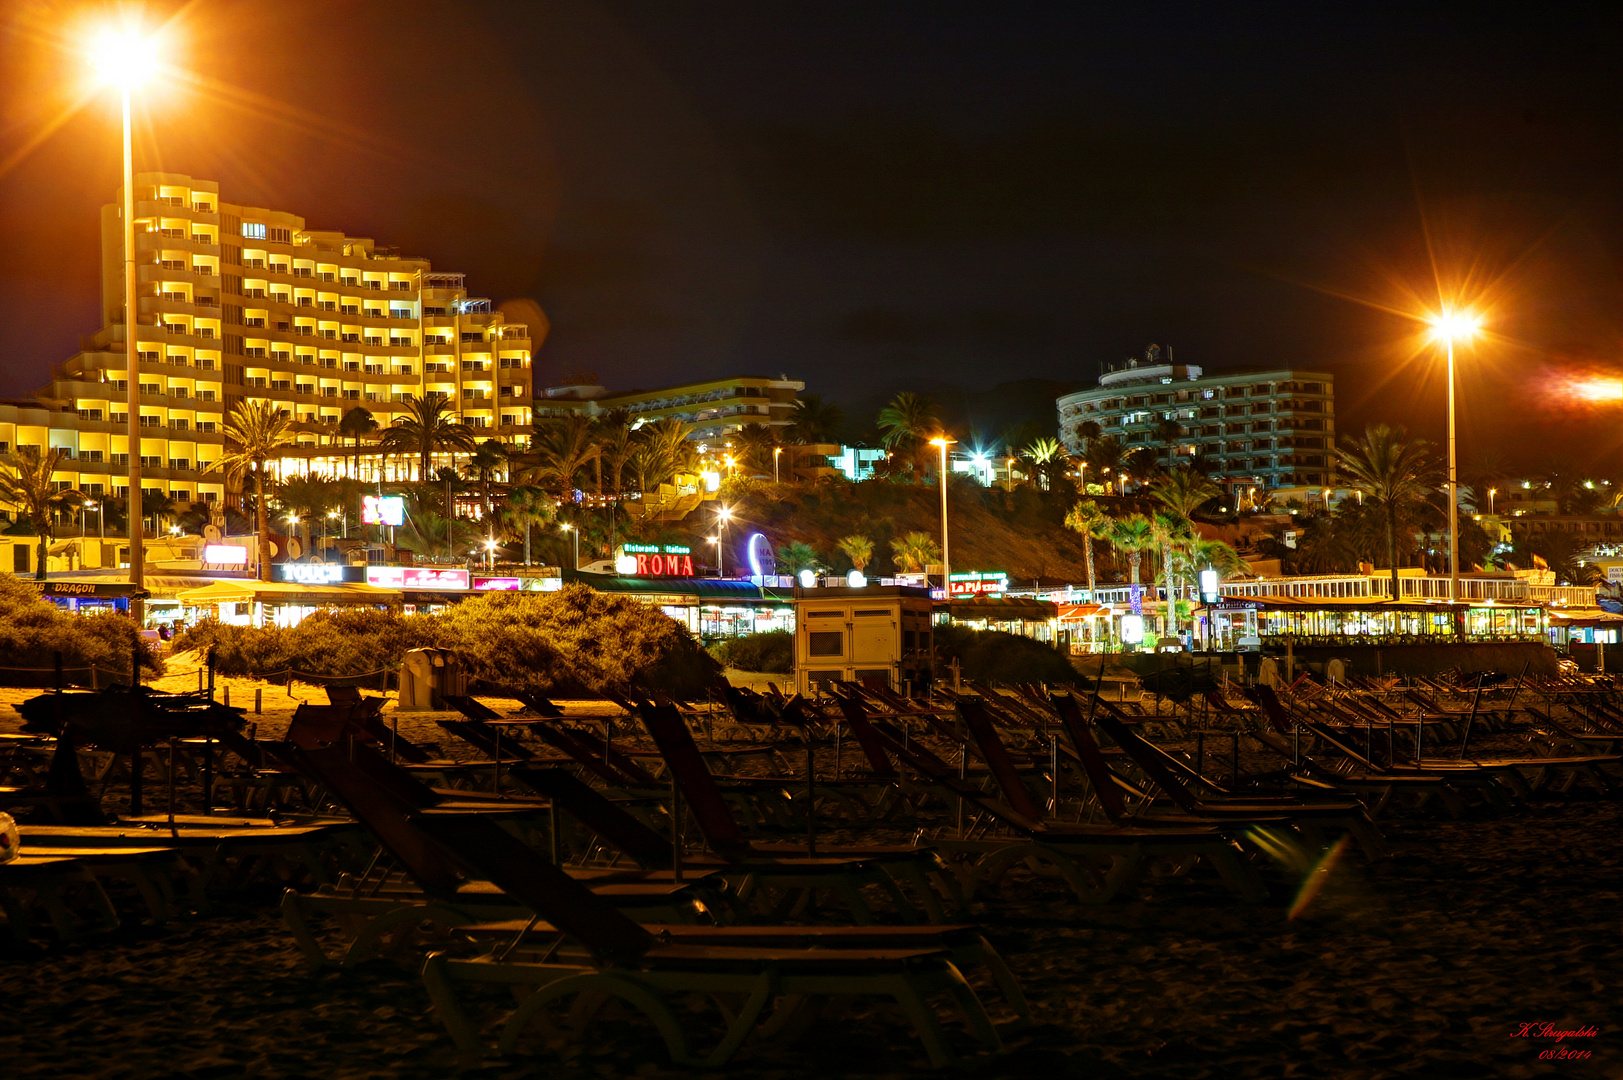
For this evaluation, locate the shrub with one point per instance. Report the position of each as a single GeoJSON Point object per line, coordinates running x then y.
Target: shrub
{"type": "Point", "coordinates": [575, 639]}
{"type": "Point", "coordinates": [33, 631]}
{"type": "Point", "coordinates": [994, 656]}
{"type": "Point", "coordinates": [771, 652]}
{"type": "Point", "coordinates": [568, 641]}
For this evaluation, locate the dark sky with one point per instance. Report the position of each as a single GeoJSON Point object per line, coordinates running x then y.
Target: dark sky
{"type": "Point", "coordinates": [873, 197]}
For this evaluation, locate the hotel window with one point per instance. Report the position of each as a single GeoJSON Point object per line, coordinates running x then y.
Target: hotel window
{"type": "Point", "coordinates": [253, 230]}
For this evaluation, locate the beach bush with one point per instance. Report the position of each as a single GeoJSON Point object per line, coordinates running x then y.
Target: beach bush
{"type": "Point", "coordinates": [33, 631]}
{"type": "Point", "coordinates": [995, 656]}
{"type": "Point", "coordinates": [771, 652]}
{"type": "Point", "coordinates": [574, 640]}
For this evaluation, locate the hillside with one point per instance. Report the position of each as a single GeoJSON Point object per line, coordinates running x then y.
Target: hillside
{"type": "Point", "coordinates": [1022, 533]}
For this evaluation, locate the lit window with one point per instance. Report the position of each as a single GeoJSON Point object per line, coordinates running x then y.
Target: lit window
{"type": "Point", "coordinates": [253, 230]}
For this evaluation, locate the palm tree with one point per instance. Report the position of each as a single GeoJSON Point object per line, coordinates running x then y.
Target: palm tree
{"type": "Point", "coordinates": [1105, 454]}
{"type": "Point", "coordinates": [1044, 454]}
{"type": "Point", "coordinates": [524, 507]}
{"type": "Point", "coordinates": [755, 446]}
{"type": "Point", "coordinates": [307, 498]}
{"type": "Point", "coordinates": [1167, 433]}
{"type": "Point", "coordinates": [357, 422]}
{"type": "Point", "coordinates": [1132, 536]}
{"type": "Point", "coordinates": [30, 488]}
{"type": "Point", "coordinates": [915, 552]}
{"type": "Point", "coordinates": [1140, 464]}
{"type": "Point", "coordinates": [1183, 491]}
{"type": "Point", "coordinates": [905, 422]}
{"type": "Point", "coordinates": [1395, 473]}
{"type": "Point", "coordinates": [815, 421]}
{"type": "Point", "coordinates": [1171, 530]}
{"type": "Point", "coordinates": [255, 431]}
{"type": "Point", "coordinates": [490, 456]}
{"type": "Point", "coordinates": [1094, 524]}
{"type": "Point", "coordinates": [663, 452]}
{"type": "Point", "coordinates": [429, 425]}
{"type": "Point", "coordinates": [798, 556]}
{"type": "Point", "coordinates": [857, 548]}
{"type": "Point", "coordinates": [564, 446]}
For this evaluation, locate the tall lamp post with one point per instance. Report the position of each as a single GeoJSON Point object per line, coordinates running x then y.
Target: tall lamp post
{"type": "Point", "coordinates": [777, 451]}
{"type": "Point", "coordinates": [126, 60]}
{"type": "Point", "coordinates": [723, 516]}
{"type": "Point", "coordinates": [944, 441]}
{"type": "Point", "coordinates": [567, 527]}
{"type": "Point", "coordinates": [1449, 327]}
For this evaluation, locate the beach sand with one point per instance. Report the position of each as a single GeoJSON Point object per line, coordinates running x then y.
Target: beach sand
{"type": "Point", "coordinates": [1425, 965]}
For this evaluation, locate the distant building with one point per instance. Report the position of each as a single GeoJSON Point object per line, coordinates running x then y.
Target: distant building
{"type": "Point", "coordinates": [240, 303]}
{"type": "Point", "coordinates": [1274, 428]}
{"type": "Point", "coordinates": [717, 409]}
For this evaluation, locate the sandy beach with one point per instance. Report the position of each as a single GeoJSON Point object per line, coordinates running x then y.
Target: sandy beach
{"type": "Point", "coordinates": [1427, 964]}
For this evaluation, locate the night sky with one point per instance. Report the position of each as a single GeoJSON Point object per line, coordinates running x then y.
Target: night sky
{"type": "Point", "coordinates": [874, 197]}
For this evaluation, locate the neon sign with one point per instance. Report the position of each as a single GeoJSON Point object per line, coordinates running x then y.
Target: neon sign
{"type": "Point", "coordinates": [977, 583]}
{"type": "Point", "coordinates": [311, 573]}
{"type": "Point", "coordinates": [415, 577]}
{"type": "Point", "coordinates": [225, 555]}
{"type": "Point", "coordinates": [383, 510]}
{"type": "Point", "coordinates": [655, 560]}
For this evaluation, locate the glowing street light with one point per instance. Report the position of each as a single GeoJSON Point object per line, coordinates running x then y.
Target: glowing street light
{"type": "Point", "coordinates": [1448, 327]}
{"type": "Point", "coordinates": [125, 59]}
{"type": "Point", "coordinates": [490, 552]}
{"type": "Point", "coordinates": [724, 514]}
{"type": "Point", "coordinates": [777, 451]}
{"type": "Point", "coordinates": [1491, 493]}
{"type": "Point", "coordinates": [943, 441]}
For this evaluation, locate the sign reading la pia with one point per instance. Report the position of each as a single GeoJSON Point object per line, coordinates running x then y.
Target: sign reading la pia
{"type": "Point", "coordinates": [655, 560]}
{"type": "Point", "coordinates": [979, 583]}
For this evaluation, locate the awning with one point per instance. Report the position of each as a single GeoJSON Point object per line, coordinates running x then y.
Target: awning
{"type": "Point", "coordinates": [1275, 602]}
{"type": "Point", "coordinates": [1003, 609]}
{"type": "Point", "coordinates": [678, 591]}
{"type": "Point", "coordinates": [1584, 616]}
{"type": "Point", "coordinates": [286, 592]}
{"type": "Point", "coordinates": [1074, 612]}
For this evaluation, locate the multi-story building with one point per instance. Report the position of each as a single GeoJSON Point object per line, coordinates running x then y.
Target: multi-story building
{"type": "Point", "coordinates": [238, 302]}
{"type": "Point", "coordinates": [717, 409]}
{"type": "Point", "coordinates": [1273, 429]}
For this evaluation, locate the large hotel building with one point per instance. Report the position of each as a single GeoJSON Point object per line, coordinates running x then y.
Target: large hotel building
{"type": "Point", "coordinates": [239, 302]}
{"type": "Point", "coordinates": [1274, 429]}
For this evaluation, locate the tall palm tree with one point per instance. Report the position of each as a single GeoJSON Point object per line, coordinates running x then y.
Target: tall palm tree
{"type": "Point", "coordinates": [1094, 524]}
{"type": "Point", "coordinates": [1183, 491]}
{"type": "Point", "coordinates": [798, 556]}
{"type": "Point", "coordinates": [524, 507]}
{"type": "Point", "coordinates": [564, 446]}
{"type": "Point", "coordinates": [357, 422]}
{"type": "Point", "coordinates": [905, 422]}
{"type": "Point", "coordinates": [31, 490]}
{"type": "Point", "coordinates": [255, 432]}
{"type": "Point", "coordinates": [915, 551]}
{"type": "Point", "coordinates": [754, 445]}
{"type": "Point", "coordinates": [857, 548]}
{"type": "Point", "coordinates": [307, 498]}
{"type": "Point", "coordinates": [1395, 473]}
{"type": "Point", "coordinates": [1045, 455]}
{"type": "Point", "coordinates": [429, 425]}
{"type": "Point", "coordinates": [1105, 454]}
{"type": "Point", "coordinates": [664, 451]}
{"type": "Point", "coordinates": [490, 456]}
{"type": "Point", "coordinates": [1172, 530]}
{"type": "Point", "coordinates": [1132, 535]}
{"type": "Point", "coordinates": [1167, 433]}
{"type": "Point", "coordinates": [815, 420]}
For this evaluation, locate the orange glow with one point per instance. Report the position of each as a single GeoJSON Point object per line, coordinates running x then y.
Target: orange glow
{"type": "Point", "coordinates": [124, 59]}
{"type": "Point", "coordinates": [1596, 389]}
{"type": "Point", "coordinates": [1452, 326]}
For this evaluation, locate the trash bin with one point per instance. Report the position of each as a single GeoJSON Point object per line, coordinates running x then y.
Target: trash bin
{"type": "Point", "coordinates": [427, 676]}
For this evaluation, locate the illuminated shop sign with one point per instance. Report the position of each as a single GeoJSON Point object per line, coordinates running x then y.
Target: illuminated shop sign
{"type": "Point", "coordinates": [415, 577]}
{"type": "Point", "coordinates": [225, 555]}
{"type": "Point", "coordinates": [310, 573]}
{"type": "Point", "coordinates": [979, 583]}
{"type": "Point", "coordinates": [655, 560]}
{"type": "Point", "coordinates": [497, 584]}
{"type": "Point", "coordinates": [383, 510]}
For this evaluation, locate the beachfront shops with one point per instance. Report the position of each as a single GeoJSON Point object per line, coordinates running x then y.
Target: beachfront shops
{"type": "Point", "coordinates": [1253, 621]}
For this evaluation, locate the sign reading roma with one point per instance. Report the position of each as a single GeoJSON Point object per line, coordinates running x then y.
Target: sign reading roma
{"type": "Point", "coordinates": [655, 560]}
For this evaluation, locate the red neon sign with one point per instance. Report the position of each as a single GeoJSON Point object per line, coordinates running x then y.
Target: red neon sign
{"type": "Point", "coordinates": [665, 565]}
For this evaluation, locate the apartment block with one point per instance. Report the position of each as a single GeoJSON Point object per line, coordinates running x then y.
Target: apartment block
{"type": "Point", "coordinates": [1270, 428]}
{"type": "Point", "coordinates": [716, 409]}
{"type": "Point", "coordinates": [238, 303]}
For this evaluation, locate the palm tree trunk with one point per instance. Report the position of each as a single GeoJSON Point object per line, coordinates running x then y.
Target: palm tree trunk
{"type": "Point", "coordinates": [1087, 547]}
{"type": "Point", "coordinates": [1133, 559]}
{"type": "Point", "coordinates": [262, 527]}
{"type": "Point", "coordinates": [44, 551]}
{"type": "Point", "coordinates": [1172, 591]}
{"type": "Point", "coordinates": [526, 541]}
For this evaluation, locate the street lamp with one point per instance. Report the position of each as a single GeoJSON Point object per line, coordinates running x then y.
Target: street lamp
{"type": "Point", "coordinates": [126, 60]}
{"type": "Point", "coordinates": [567, 527]}
{"type": "Point", "coordinates": [490, 553]}
{"type": "Point", "coordinates": [1448, 327]}
{"type": "Point", "coordinates": [724, 514]}
{"type": "Point", "coordinates": [776, 452]}
{"type": "Point", "coordinates": [1326, 500]}
{"type": "Point", "coordinates": [1491, 493]}
{"type": "Point", "coordinates": [721, 569]}
{"type": "Point", "coordinates": [944, 441]}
